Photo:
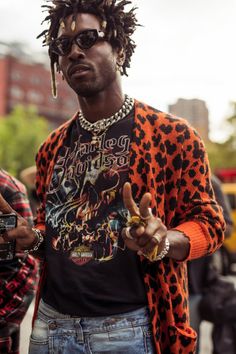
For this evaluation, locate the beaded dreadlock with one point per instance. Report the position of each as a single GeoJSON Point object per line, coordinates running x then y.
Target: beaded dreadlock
{"type": "Point", "coordinates": [118, 26]}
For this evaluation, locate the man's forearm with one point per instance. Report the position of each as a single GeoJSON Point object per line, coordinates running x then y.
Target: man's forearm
{"type": "Point", "coordinates": [179, 245]}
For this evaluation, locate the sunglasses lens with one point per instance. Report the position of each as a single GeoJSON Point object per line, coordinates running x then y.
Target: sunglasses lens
{"type": "Point", "coordinates": [86, 39]}
{"type": "Point", "coordinates": [61, 46]}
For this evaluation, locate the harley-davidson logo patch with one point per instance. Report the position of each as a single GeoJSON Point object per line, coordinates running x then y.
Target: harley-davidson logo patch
{"type": "Point", "coordinates": [81, 255]}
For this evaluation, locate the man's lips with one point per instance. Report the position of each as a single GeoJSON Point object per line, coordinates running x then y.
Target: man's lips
{"type": "Point", "coordinates": [79, 68]}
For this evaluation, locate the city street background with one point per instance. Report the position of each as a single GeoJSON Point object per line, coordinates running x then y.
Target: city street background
{"type": "Point", "coordinates": [184, 49]}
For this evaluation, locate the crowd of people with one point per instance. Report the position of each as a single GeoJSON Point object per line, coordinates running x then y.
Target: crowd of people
{"type": "Point", "coordinates": [125, 202]}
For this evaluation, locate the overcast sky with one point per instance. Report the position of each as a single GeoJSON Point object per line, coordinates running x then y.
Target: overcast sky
{"type": "Point", "coordinates": [186, 48]}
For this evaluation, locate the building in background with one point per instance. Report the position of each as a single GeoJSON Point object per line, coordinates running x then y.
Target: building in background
{"type": "Point", "coordinates": [27, 82]}
{"type": "Point", "coordinates": [196, 112]}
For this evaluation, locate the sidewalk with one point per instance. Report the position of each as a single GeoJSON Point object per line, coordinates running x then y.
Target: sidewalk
{"type": "Point", "coordinates": [205, 340]}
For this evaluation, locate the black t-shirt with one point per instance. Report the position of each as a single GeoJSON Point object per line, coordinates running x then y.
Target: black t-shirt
{"type": "Point", "coordinates": [90, 272]}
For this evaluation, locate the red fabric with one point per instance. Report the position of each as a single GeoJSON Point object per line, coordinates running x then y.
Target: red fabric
{"type": "Point", "coordinates": [15, 194]}
{"type": "Point", "coordinates": [18, 278]}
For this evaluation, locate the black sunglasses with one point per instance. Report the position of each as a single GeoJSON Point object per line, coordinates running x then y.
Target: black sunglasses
{"type": "Point", "coordinates": [85, 40]}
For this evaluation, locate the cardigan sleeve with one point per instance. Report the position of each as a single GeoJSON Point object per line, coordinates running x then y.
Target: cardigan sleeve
{"type": "Point", "coordinates": [41, 165]}
{"type": "Point", "coordinates": [200, 218]}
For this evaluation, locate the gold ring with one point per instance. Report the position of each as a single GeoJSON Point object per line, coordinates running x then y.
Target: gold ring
{"type": "Point", "coordinates": [128, 234]}
{"type": "Point", "coordinates": [135, 220]}
{"type": "Point", "coordinates": [157, 237]}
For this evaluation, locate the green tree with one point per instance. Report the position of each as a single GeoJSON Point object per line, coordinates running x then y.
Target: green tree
{"type": "Point", "coordinates": [21, 133]}
{"type": "Point", "coordinates": [223, 155]}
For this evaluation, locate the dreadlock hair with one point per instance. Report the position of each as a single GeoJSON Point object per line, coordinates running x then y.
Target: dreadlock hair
{"type": "Point", "coordinates": [118, 26]}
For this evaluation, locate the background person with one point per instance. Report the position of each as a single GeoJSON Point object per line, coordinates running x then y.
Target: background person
{"type": "Point", "coordinates": [18, 276]}
{"type": "Point", "coordinates": [199, 269]}
{"type": "Point", "coordinates": [115, 251]}
{"type": "Point", "coordinates": [28, 176]}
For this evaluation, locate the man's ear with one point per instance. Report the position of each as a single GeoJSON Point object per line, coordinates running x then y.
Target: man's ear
{"type": "Point", "coordinates": [120, 57]}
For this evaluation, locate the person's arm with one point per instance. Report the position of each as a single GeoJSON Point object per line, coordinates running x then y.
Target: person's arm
{"type": "Point", "coordinates": [23, 234]}
{"type": "Point", "coordinates": [197, 214]}
{"type": "Point", "coordinates": [16, 195]}
{"type": "Point", "coordinates": [13, 199]}
{"type": "Point", "coordinates": [198, 225]}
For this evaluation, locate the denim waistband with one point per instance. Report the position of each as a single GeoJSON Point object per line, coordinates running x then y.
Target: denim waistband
{"type": "Point", "coordinates": [134, 318]}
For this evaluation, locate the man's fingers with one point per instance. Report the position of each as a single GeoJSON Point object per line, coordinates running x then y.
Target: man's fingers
{"type": "Point", "coordinates": [144, 206]}
{"type": "Point", "coordinates": [5, 208]}
{"type": "Point", "coordinates": [129, 203]}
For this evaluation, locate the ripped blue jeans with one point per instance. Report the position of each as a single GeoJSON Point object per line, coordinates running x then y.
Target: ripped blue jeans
{"type": "Point", "coordinates": [55, 333]}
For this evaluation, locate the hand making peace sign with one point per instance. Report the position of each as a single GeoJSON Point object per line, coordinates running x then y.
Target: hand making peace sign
{"type": "Point", "coordinates": [144, 233]}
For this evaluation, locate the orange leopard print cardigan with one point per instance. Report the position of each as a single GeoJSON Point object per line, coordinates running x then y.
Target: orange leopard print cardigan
{"type": "Point", "coordinates": [168, 159]}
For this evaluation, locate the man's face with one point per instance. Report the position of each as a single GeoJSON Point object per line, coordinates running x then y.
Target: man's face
{"type": "Point", "coordinates": [87, 71]}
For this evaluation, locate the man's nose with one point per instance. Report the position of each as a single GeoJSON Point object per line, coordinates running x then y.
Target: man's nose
{"type": "Point", "coordinates": [75, 52]}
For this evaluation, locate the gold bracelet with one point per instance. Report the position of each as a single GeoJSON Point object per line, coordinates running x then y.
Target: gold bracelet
{"type": "Point", "coordinates": [154, 256]}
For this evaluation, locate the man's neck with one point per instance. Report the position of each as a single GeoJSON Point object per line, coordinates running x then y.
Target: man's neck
{"type": "Point", "coordinates": [101, 106]}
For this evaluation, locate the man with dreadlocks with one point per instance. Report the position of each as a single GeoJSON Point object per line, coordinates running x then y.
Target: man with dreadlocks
{"type": "Point", "coordinates": [125, 201]}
